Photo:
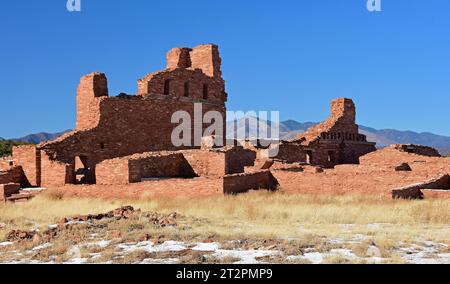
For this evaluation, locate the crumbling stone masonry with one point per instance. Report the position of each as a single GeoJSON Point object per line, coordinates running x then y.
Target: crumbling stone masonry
{"type": "Point", "coordinates": [332, 142]}
{"type": "Point", "coordinates": [123, 145]}
{"type": "Point", "coordinates": [110, 127]}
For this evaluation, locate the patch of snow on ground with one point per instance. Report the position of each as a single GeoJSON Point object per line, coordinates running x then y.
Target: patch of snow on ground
{"type": "Point", "coordinates": [245, 256]}
{"type": "Point", "coordinates": [41, 247]}
{"type": "Point", "coordinates": [6, 244]}
{"type": "Point", "coordinates": [76, 261]}
{"type": "Point", "coordinates": [160, 261]}
{"type": "Point", "coordinates": [428, 254]}
{"type": "Point", "coordinates": [206, 246]}
{"type": "Point", "coordinates": [100, 244]}
{"type": "Point", "coordinates": [167, 246]}
{"type": "Point", "coordinates": [345, 253]}
{"type": "Point", "coordinates": [95, 255]}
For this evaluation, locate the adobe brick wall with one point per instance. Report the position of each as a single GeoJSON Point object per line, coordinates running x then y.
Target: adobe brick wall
{"type": "Point", "coordinates": [12, 175]}
{"type": "Point", "coordinates": [435, 194]}
{"type": "Point", "coordinates": [206, 163]}
{"type": "Point", "coordinates": [413, 191]}
{"type": "Point", "coordinates": [239, 183]}
{"type": "Point", "coordinates": [55, 173]}
{"type": "Point", "coordinates": [375, 175]}
{"type": "Point", "coordinates": [332, 142]}
{"type": "Point", "coordinates": [416, 149]}
{"type": "Point", "coordinates": [237, 159]}
{"type": "Point", "coordinates": [114, 171]}
{"type": "Point", "coordinates": [28, 157]}
{"type": "Point", "coordinates": [91, 87]}
{"type": "Point", "coordinates": [165, 164]}
{"type": "Point", "coordinates": [111, 127]}
{"type": "Point", "coordinates": [8, 189]}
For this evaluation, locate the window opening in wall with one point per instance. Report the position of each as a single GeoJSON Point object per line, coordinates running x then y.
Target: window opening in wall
{"type": "Point", "coordinates": [205, 91]}
{"type": "Point", "coordinates": [81, 170]}
{"type": "Point", "coordinates": [167, 87]}
{"type": "Point", "coordinates": [186, 89]}
{"type": "Point", "coordinates": [309, 157]}
{"type": "Point", "coordinates": [331, 157]}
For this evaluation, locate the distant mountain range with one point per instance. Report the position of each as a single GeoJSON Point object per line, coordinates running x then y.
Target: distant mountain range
{"type": "Point", "coordinates": [39, 137]}
{"type": "Point", "coordinates": [290, 128]}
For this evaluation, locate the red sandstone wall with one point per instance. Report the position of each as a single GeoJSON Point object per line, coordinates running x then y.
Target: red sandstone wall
{"type": "Point", "coordinates": [417, 149]}
{"type": "Point", "coordinates": [12, 175]}
{"type": "Point", "coordinates": [110, 127]}
{"type": "Point", "coordinates": [114, 171]}
{"type": "Point", "coordinates": [206, 163]}
{"type": "Point", "coordinates": [238, 183]}
{"type": "Point", "coordinates": [413, 191]}
{"type": "Point", "coordinates": [160, 166]}
{"type": "Point", "coordinates": [91, 88]}
{"type": "Point", "coordinates": [28, 157]}
{"type": "Point", "coordinates": [8, 189]}
{"type": "Point", "coordinates": [127, 126]}
{"type": "Point", "coordinates": [177, 79]}
{"type": "Point", "coordinates": [332, 142]}
{"type": "Point", "coordinates": [55, 173]}
{"type": "Point", "coordinates": [375, 175]}
{"type": "Point", "coordinates": [237, 159]}
{"type": "Point", "coordinates": [185, 164]}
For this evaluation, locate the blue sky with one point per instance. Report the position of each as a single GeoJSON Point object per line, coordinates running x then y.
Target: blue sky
{"type": "Point", "coordinates": [292, 56]}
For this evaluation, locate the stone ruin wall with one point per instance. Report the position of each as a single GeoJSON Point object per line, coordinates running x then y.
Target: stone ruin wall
{"type": "Point", "coordinates": [109, 127]}
{"type": "Point", "coordinates": [239, 183]}
{"type": "Point", "coordinates": [212, 163]}
{"type": "Point", "coordinates": [376, 174]}
{"type": "Point", "coordinates": [417, 149]}
{"type": "Point", "coordinates": [332, 142]}
{"type": "Point", "coordinates": [11, 175]}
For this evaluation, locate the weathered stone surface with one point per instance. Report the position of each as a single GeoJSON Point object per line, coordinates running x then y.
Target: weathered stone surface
{"type": "Point", "coordinates": [110, 127]}
{"type": "Point", "coordinates": [332, 142]}
{"type": "Point", "coordinates": [404, 167]}
{"type": "Point", "coordinates": [7, 190]}
{"type": "Point", "coordinates": [413, 191]}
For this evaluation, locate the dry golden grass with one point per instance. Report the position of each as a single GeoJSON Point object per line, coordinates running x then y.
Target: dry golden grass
{"type": "Point", "coordinates": [307, 218]}
{"type": "Point", "coordinates": [254, 206]}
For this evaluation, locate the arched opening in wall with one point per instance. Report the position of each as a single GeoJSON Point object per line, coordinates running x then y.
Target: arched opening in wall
{"type": "Point", "coordinates": [205, 91]}
{"type": "Point", "coordinates": [309, 157]}
{"type": "Point", "coordinates": [81, 170]}
{"type": "Point", "coordinates": [167, 87]}
{"type": "Point", "coordinates": [102, 145]}
{"type": "Point", "coordinates": [186, 89]}
{"type": "Point", "coordinates": [331, 157]}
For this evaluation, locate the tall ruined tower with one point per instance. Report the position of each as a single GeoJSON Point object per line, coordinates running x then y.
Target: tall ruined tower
{"type": "Point", "coordinates": [193, 73]}
{"type": "Point", "coordinates": [91, 89]}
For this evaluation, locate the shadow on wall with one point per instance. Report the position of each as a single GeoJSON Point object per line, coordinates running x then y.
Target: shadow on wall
{"type": "Point", "coordinates": [414, 191]}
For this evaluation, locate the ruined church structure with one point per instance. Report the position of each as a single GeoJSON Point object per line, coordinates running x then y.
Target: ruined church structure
{"type": "Point", "coordinates": [124, 141]}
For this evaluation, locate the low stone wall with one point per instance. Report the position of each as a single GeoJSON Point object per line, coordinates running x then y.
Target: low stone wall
{"type": "Point", "coordinates": [438, 194]}
{"type": "Point", "coordinates": [237, 159]}
{"type": "Point", "coordinates": [209, 163]}
{"type": "Point", "coordinates": [13, 175]}
{"type": "Point", "coordinates": [133, 169]}
{"type": "Point", "coordinates": [28, 157]}
{"type": "Point", "coordinates": [413, 191]}
{"type": "Point", "coordinates": [417, 149]}
{"type": "Point", "coordinates": [8, 189]}
{"type": "Point", "coordinates": [114, 171]}
{"type": "Point", "coordinates": [55, 173]}
{"type": "Point", "coordinates": [160, 166]}
{"type": "Point", "coordinates": [239, 183]}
